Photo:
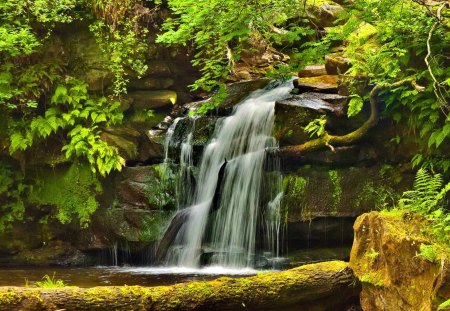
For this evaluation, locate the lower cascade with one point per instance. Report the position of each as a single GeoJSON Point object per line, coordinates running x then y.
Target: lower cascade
{"type": "Point", "coordinates": [243, 229]}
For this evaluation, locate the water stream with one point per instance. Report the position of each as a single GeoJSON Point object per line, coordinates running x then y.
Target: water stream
{"type": "Point", "coordinates": [228, 237]}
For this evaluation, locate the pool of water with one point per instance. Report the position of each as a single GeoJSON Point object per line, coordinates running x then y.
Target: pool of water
{"type": "Point", "coordinates": [116, 276]}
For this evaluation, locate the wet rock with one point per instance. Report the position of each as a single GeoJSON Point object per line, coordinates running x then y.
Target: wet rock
{"type": "Point", "coordinates": [336, 63]}
{"type": "Point", "coordinates": [312, 71]}
{"type": "Point", "coordinates": [158, 69]}
{"type": "Point", "coordinates": [314, 191]}
{"type": "Point", "coordinates": [152, 99]}
{"type": "Point", "coordinates": [385, 259]}
{"type": "Point", "coordinates": [322, 84]}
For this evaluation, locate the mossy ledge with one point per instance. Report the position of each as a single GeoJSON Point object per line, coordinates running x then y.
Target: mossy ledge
{"type": "Point", "coordinates": [313, 287]}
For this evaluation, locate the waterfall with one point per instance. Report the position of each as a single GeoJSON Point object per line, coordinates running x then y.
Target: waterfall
{"type": "Point", "coordinates": [230, 233]}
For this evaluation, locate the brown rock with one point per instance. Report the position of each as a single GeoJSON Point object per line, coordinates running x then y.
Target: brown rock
{"type": "Point", "coordinates": [322, 84]}
{"type": "Point", "coordinates": [151, 84]}
{"type": "Point", "coordinates": [312, 71]}
{"type": "Point", "coordinates": [384, 258]}
{"type": "Point", "coordinates": [336, 64]}
{"type": "Point", "coordinates": [153, 99]}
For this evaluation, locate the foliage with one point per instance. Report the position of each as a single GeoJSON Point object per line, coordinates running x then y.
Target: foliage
{"type": "Point", "coordinates": [428, 198]}
{"type": "Point", "coordinates": [220, 31]}
{"type": "Point", "coordinates": [316, 127]}
{"type": "Point", "coordinates": [72, 110]}
{"type": "Point", "coordinates": [50, 282]}
{"type": "Point", "coordinates": [12, 192]}
{"type": "Point", "coordinates": [428, 252]}
{"type": "Point", "coordinates": [281, 73]}
{"type": "Point", "coordinates": [154, 226]}
{"type": "Point", "coordinates": [72, 193]}
{"type": "Point", "coordinates": [445, 305]}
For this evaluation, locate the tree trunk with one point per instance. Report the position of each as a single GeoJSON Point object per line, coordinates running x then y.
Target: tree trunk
{"type": "Point", "coordinates": [321, 286]}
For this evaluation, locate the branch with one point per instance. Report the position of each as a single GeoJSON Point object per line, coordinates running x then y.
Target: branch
{"type": "Point", "coordinates": [331, 141]}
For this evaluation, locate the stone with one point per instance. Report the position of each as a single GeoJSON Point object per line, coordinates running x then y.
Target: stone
{"type": "Point", "coordinates": [385, 259]}
{"type": "Point", "coordinates": [312, 71]}
{"type": "Point", "coordinates": [296, 112]}
{"type": "Point", "coordinates": [127, 149]}
{"type": "Point", "coordinates": [153, 99]}
{"type": "Point", "coordinates": [155, 192]}
{"type": "Point", "coordinates": [323, 84]}
{"type": "Point", "coordinates": [336, 63]}
{"type": "Point", "coordinates": [151, 84]}
{"type": "Point", "coordinates": [158, 69]}
{"type": "Point", "coordinates": [314, 191]}
{"type": "Point", "coordinates": [326, 14]}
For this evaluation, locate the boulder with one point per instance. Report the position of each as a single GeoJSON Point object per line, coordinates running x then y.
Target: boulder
{"type": "Point", "coordinates": [294, 113]}
{"type": "Point", "coordinates": [153, 99]}
{"type": "Point", "coordinates": [385, 258]}
{"type": "Point", "coordinates": [336, 63]}
{"type": "Point", "coordinates": [151, 83]}
{"type": "Point", "coordinates": [127, 148]}
{"type": "Point", "coordinates": [312, 71]}
{"type": "Point", "coordinates": [322, 84]}
{"type": "Point", "coordinates": [155, 192]}
{"type": "Point", "coordinates": [325, 14]}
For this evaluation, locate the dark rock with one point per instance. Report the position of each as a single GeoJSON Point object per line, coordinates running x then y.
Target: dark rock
{"type": "Point", "coordinates": [343, 192]}
{"type": "Point", "coordinates": [312, 71]}
{"type": "Point", "coordinates": [294, 113]}
{"type": "Point", "coordinates": [127, 148]}
{"type": "Point", "coordinates": [322, 84]}
{"type": "Point", "coordinates": [151, 84]}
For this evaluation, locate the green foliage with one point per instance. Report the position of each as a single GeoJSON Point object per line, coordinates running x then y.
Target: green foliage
{"type": "Point", "coordinates": [73, 111]}
{"type": "Point", "coordinates": [281, 73]}
{"type": "Point", "coordinates": [445, 305]}
{"type": "Point", "coordinates": [336, 183]}
{"type": "Point", "coordinates": [72, 193]}
{"type": "Point", "coordinates": [221, 30]}
{"type": "Point", "coordinates": [316, 127]}
{"type": "Point", "coordinates": [428, 252]}
{"type": "Point", "coordinates": [50, 282]}
{"type": "Point", "coordinates": [154, 226]}
{"type": "Point", "coordinates": [12, 192]}
{"type": "Point", "coordinates": [355, 105]}
{"type": "Point", "coordinates": [428, 198]}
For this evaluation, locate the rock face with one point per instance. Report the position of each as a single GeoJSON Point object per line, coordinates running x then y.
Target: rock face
{"type": "Point", "coordinates": [385, 259]}
{"type": "Point", "coordinates": [324, 84]}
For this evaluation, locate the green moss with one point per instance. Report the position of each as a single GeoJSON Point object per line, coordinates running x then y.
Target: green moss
{"type": "Point", "coordinates": [72, 192]}
{"type": "Point", "coordinates": [337, 189]}
{"type": "Point", "coordinates": [161, 192]}
{"type": "Point", "coordinates": [10, 298]}
{"type": "Point", "coordinates": [373, 278]}
{"type": "Point", "coordinates": [154, 226]}
{"type": "Point", "coordinates": [294, 188]}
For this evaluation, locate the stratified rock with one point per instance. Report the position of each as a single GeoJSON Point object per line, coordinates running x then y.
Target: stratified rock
{"type": "Point", "coordinates": [322, 84]}
{"type": "Point", "coordinates": [336, 63]}
{"type": "Point", "coordinates": [294, 113]}
{"type": "Point", "coordinates": [322, 286]}
{"type": "Point", "coordinates": [312, 71]}
{"type": "Point", "coordinates": [153, 99]}
{"type": "Point", "coordinates": [314, 191]}
{"type": "Point", "coordinates": [127, 149]}
{"type": "Point", "coordinates": [385, 259]}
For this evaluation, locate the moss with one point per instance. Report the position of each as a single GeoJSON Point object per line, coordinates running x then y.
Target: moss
{"type": "Point", "coordinates": [72, 191]}
{"type": "Point", "coordinates": [294, 188]}
{"type": "Point", "coordinates": [337, 189]}
{"type": "Point", "coordinates": [161, 192]}
{"type": "Point", "coordinates": [154, 225]}
{"type": "Point", "coordinates": [373, 278]}
{"type": "Point", "coordinates": [10, 297]}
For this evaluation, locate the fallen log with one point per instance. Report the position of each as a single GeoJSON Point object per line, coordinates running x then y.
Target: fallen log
{"type": "Point", "coordinates": [311, 287]}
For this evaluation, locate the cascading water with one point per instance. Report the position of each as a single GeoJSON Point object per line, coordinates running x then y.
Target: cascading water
{"type": "Point", "coordinates": [229, 234]}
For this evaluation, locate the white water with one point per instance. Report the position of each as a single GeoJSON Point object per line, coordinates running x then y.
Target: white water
{"type": "Point", "coordinates": [241, 139]}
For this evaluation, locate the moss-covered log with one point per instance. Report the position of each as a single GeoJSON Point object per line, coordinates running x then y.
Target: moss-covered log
{"type": "Point", "coordinates": [332, 141]}
{"type": "Point", "coordinates": [312, 287]}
